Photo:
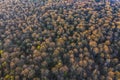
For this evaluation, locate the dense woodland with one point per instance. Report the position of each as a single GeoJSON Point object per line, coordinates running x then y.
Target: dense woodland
{"type": "Point", "coordinates": [59, 40]}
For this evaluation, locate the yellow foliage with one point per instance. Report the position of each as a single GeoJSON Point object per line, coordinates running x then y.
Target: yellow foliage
{"type": "Point", "coordinates": [1, 51]}
{"type": "Point", "coordinates": [4, 64]}
{"type": "Point", "coordinates": [7, 76]}
{"type": "Point", "coordinates": [59, 64]}
{"type": "Point", "coordinates": [11, 77]}
{"type": "Point", "coordinates": [38, 47]}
